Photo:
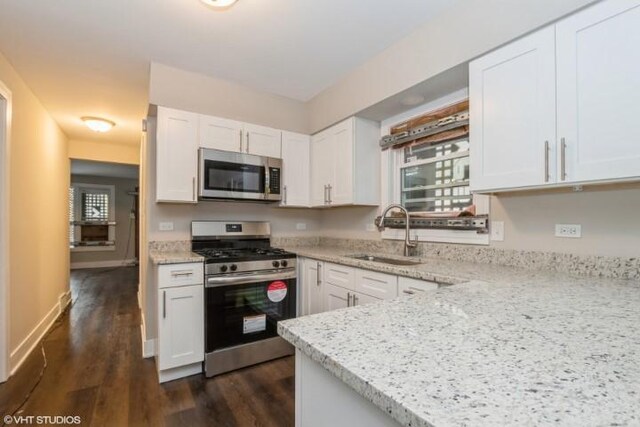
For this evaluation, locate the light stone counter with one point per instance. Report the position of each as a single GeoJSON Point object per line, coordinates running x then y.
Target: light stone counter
{"type": "Point", "coordinates": [501, 347]}
{"type": "Point", "coordinates": [174, 257]}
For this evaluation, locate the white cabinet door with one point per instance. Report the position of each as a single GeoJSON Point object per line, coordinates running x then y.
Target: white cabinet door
{"type": "Point", "coordinates": [378, 285]}
{"type": "Point", "coordinates": [341, 182]}
{"type": "Point", "coordinates": [220, 134]}
{"type": "Point", "coordinates": [513, 115]}
{"type": "Point", "coordinates": [262, 141]}
{"type": "Point", "coordinates": [312, 287]}
{"type": "Point", "coordinates": [321, 168]}
{"type": "Point", "coordinates": [409, 286]}
{"type": "Point", "coordinates": [339, 275]}
{"type": "Point", "coordinates": [335, 297]}
{"type": "Point", "coordinates": [176, 156]}
{"type": "Point", "coordinates": [181, 326]}
{"type": "Point", "coordinates": [363, 299]}
{"type": "Point", "coordinates": [598, 87]}
{"type": "Point", "coordinates": [295, 164]}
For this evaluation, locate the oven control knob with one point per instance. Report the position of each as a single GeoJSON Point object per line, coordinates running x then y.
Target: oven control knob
{"type": "Point", "coordinates": [223, 268]}
{"type": "Point", "coordinates": [233, 267]}
{"type": "Point", "coordinates": [276, 264]}
{"type": "Point", "coordinates": [284, 263]}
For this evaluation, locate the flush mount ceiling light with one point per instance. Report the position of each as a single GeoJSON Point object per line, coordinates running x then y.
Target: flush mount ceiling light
{"type": "Point", "coordinates": [97, 124]}
{"type": "Point", "coordinates": [219, 4]}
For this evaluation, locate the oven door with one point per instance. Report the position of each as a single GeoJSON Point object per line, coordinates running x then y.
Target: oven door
{"type": "Point", "coordinates": [241, 310]}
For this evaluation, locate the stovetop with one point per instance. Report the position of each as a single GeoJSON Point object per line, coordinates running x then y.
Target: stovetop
{"type": "Point", "coordinates": [242, 254]}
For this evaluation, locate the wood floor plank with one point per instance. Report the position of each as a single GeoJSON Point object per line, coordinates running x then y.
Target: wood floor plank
{"type": "Point", "coordinates": [96, 371]}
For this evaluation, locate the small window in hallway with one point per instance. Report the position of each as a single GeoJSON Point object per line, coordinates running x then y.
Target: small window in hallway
{"type": "Point", "coordinates": [95, 206]}
{"type": "Point", "coordinates": [91, 216]}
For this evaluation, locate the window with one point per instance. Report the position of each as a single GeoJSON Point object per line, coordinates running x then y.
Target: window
{"type": "Point", "coordinates": [91, 216]}
{"type": "Point", "coordinates": [435, 178]}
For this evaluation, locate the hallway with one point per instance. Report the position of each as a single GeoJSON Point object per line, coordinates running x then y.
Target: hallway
{"type": "Point", "coordinates": [96, 371]}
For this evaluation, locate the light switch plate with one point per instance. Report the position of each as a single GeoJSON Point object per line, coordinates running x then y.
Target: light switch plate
{"type": "Point", "coordinates": [165, 226]}
{"type": "Point", "coordinates": [301, 226]}
{"type": "Point", "coordinates": [573, 231]}
{"type": "Point", "coordinates": [497, 231]}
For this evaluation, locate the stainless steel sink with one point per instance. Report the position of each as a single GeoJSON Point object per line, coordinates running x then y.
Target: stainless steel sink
{"type": "Point", "coordinates": [385, 260]}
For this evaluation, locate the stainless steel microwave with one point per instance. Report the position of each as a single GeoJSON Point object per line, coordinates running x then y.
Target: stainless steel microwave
{"type": "Point", "coordinates": [225, 175]}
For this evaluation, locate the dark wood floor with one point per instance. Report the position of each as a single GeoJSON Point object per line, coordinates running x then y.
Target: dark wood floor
{"type": "Point", "coordinates": [96, 370]}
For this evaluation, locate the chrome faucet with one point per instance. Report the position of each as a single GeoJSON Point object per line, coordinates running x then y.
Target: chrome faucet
{"type": "Point", "coordinates": [408, 243]}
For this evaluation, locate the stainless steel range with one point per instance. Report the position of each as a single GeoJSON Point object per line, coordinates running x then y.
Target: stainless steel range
{"type": "Point", "coordinates": [249, 288]}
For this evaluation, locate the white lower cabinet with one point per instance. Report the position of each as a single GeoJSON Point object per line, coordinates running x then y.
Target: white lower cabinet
{"type": "Point", "coordinates": [180, 343]}
{"type": "Point", "coordinates": [328, 286]}
{"type": "Point", "coordinates": [409, 286]}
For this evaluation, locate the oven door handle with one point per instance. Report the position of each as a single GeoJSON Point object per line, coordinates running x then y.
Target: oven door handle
{"type": "Point", "coordinates": [240, 279]}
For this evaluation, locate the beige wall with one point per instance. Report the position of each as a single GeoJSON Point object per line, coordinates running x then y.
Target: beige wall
{"type": "Point", "coordinates": [104, 152]}
{"type": "Point", "coordinates": [39, 254]}
{"type": "Point", "coordinates": [123, 206]}
{"type": "Point", "coordinates": [467, 30]}
{"type": "Point", "coordinates": [171, 87]}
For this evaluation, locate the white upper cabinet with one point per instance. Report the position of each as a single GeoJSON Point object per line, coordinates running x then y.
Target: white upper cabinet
{"type": "Point", "coordinates": [176, 156]}
{"type": "Point", "coordinates": [559, 107]}
{"type": "Point", "coordinates": [262, 141]}
{"type": "Point", "coordinates": [220, 134]}
{"type": "Point", "coordinates": [345, 164]}
{"type": "Point", "coordinates": [598, 87]}
{"type": "Point", "coordinates": [512, 114]}
{"type": "Point", "coordinates": [295, 162]}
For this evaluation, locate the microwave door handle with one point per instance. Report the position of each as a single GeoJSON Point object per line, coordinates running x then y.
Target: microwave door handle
{"type": "Point", "coordinates": [267, 190]}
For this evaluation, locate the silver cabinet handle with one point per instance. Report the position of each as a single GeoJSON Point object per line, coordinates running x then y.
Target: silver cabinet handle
{"type": "Point", "coordinates": [546, 161]}
{"type": "Point", "coordinates": [182, 273]}
{"type": "Point", "coordinates": [240, 140]}
{"type": "Point", "coordinates": [284, 202]}
{"type": "Point", "coordinates": [563, 159]}
{"type": "Point", "coordinates": [329, 188]}
{"type": "Point", "coordinates": [408, 292]}
{"type": "Point", "coordinates": [325, 194]}
{"type": "Point", "coordinates": [318, 274]}
{"type": "Point", "coordinates": [247, 142]}
{"type": "Point", "coordinates": [164, 304]}
{"type": "Point", "coordinates": [355, 300]}
{"type": "Point", "coordinates": [348, 299]}
{"type": "Point", "coordinates": [193, 187]}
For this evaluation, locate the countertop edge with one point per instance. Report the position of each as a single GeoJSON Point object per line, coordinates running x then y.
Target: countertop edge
{"type": "Point", "coordinates": [174, 257]}
{"type": "Point", "coordinates": [393, 408]}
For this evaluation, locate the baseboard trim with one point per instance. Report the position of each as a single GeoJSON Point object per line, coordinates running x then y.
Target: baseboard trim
{"type": "Point", "coordinates": [103, 264]}
{"type": "Point", "coordinates": [148, 346]}
{"type": "Point", "coordinates": [24, 349]}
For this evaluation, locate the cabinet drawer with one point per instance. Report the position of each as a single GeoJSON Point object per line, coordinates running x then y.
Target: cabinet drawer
{"type": "Point", "coordinates": [180, 275]}
{"type": "Point", "coordinates": [379, 285]}
{"type": "Point", "coordinates": [339, 275]}
{"type": "Point", "coordinates": [408, 286]}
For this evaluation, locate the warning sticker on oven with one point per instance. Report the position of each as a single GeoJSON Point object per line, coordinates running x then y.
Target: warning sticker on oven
{"type": "Point", "coordinates": [276, 291]}
{"type": "Point", "coordinates": [254, 323]}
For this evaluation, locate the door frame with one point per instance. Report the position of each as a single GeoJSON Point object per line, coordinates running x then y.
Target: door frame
{"type": "Point", "coordinates": [5, 144]}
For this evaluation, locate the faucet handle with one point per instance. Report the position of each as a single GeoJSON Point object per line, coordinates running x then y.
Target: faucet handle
{"type": "Point", "coordinates": [379, 222]}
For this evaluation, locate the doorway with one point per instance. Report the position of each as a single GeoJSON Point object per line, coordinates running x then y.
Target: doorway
{"type": "Point", "coordinates": [5, 127]}
{"type": "Point", "coordinates": [103, 211]}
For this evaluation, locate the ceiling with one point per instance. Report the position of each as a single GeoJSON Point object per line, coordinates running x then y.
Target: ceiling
{"type": "Point", "coordinates": [103, 169]}
{"type": "Point", "coordinates": [91, 58]}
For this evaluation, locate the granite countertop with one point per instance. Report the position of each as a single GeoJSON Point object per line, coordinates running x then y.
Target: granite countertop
{"type": "Point", "coordinates": [174, 257]}
{"type": "Point", "coordinates": [501, 347]}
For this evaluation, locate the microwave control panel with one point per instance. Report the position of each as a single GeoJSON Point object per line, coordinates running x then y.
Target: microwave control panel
{"type": "Point", "coordinates": [274, 180]}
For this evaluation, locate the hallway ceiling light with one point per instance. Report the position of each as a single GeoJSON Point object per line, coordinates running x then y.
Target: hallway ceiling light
{"type": "Point", "coordinates": [97, 124]}
{"type": "Point", "coordinates": [219, 4]}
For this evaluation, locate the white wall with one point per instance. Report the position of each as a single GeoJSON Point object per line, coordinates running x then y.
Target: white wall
{"type": "Point", "coordinates": [461, 33]}
{"type": "Point", "coordinates": [171, 87]}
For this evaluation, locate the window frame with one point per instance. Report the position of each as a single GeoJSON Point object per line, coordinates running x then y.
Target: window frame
{"type": "Point", "coordinates": [391, 161]}
{"type": "Point", "coordinates": [77, 212]}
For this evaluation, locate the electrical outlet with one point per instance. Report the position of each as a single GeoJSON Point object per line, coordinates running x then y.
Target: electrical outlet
{"type": "Point", "coordinates": [569, 230]}
{"type": "Point", "coordinates": [165, 226]}
{"type": "Point", "coordinates": [497, 231]}
{"type": "Point", "coordinates": [301, 226]}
